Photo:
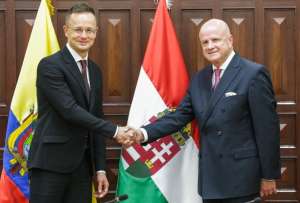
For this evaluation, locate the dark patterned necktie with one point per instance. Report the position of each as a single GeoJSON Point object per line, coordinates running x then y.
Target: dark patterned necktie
{"type": "Point", "coordinates": [85, 78]}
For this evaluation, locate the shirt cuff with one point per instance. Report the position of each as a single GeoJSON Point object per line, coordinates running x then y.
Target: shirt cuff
{"type": "Point", "coordinates": [101, 172]}
{"type": "Point", "coordinates": [268, 180]}
{"type": "Point", "coordinates": [145, 134]}
{"type": "Point", "coordinates": [117, 130]}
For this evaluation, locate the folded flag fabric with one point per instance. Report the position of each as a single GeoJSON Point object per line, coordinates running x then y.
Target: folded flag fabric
{"type": "Point", "coordinates": [14, 185]}
{"type": "Point", "coordinates": [165, 170]}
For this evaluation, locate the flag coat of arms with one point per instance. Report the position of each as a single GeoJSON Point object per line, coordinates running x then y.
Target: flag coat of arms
{"type": "Point", "coordinates": [165, 170]}
{"type": "Point", "coordinates": [14, 184]}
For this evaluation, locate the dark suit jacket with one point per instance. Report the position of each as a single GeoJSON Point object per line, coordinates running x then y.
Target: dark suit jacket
{"type": "Point", "coordinates": [66, 116]}
{"type": "Point", "coordinates": [239, 135]}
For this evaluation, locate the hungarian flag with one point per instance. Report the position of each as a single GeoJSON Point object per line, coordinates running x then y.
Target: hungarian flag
{"type": "Point", "coordinates": [165, 170]}
{"type": "Point", "coordinates": [14, 184]}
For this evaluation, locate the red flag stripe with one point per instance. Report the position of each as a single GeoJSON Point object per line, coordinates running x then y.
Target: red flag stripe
{"type": "Point", "coordinates": [127, 157]}
{"type": "Point", "coordinates": [9, 192]}
{"type": "Point", "coordinates": [163, 61]}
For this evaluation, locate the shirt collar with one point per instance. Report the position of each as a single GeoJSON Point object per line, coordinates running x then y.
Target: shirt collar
{"type": "Point", "coordinates": [226, 63]}
{"type": "Point", "coordinates": [75, 55]}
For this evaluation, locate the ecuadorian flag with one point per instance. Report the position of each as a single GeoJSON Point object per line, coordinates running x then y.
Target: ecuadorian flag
{"type": "Point", "coordinates": [14, 187]}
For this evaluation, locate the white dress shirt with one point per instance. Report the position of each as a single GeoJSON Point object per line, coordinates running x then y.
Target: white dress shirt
{"type": "Point", "coordinates": [78, 58]}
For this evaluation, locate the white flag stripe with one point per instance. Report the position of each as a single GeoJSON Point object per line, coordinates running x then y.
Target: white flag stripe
{"type": "Point", "coordinates": [181, 174]}
{"type": "Point", "coordinates": [133, 153]}
{"type": "Point", "coordinates": [124, 162]}
{"type": "Point", "coordinates": [146, 102]}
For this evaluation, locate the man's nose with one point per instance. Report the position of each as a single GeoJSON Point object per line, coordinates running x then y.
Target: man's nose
{"type": "Point", "coordinates": [84, 33]}
{"type": "Point", "coordinates": [210, 45]}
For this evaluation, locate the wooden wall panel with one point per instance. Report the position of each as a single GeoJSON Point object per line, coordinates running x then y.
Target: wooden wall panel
{"type": "Point", "coordinates": [280, 51]}
{"type": "Point", "coordinates": [289, 172]}
{"type": "Point", "coordinates": [114, 54]}
{"type": "Point", "coordinates": [24, 24]}
{"type": "Point", "coordinates": [3, 66]}
{"type": "Point", "coordinates": [191, 23]}
{"type": "Point", "coordinates": [3, 121]}
{"type": "Point", "coordinates": [288, 130]}
{"type": "Point", "coordinates": [241, 24]}
{"type": "Point", "coordinates": [113, 152]}
{"type": "Point", "coordinates": [288, 182]}
{"type": "Point", "coordinates": [146, 20]}
{"type": "Point", "coordinates": [59, 27]}
{"type": "Point", "coordinates": [3, 78]}
{"type": "Point", "coordinates": [287, 187]}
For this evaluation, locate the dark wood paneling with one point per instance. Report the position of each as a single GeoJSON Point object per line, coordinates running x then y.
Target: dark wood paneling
{"type": "Point", "coordinates": [289, 172]}
{"type": "Point", "coordinates": [288, 130]}
{"type": "Point", "coordinates": [3, 68]}
{"type": "Point", "coordinates": [146, 20]}
{"type": "Point", "coordinates": [59, 27]}
{"type": "Point", "coordinates": [241, 23]}
{"type": "Point", "coordinates": [287, 191]}
{"type": "Point", "coordinates": [287, 185]}
{"type": "Point", "coordinates": [266, 31]}
{"type": "Point", "coordinates": [3, 121]}
{"type": "Point", "coordinates": [280, 51]}
{"type": "Point", "coordinates": [191, 23]}
{"type": "Point", "coordinates": [114, 54]}
{"type": "Point", "coordinates": [24, 24]}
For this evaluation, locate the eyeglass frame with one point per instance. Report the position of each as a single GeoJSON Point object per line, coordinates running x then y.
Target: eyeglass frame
{"type": "Point", "coordinates": [80, 30]}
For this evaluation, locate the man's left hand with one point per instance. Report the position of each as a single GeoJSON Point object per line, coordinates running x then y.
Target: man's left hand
{"type": "Point", "coordinates": [268, 187]}
{"type": "Point", "coordinates": [102, 187]}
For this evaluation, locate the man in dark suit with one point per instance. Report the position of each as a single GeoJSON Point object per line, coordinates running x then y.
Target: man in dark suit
{"type": "Point", "coordinates": [233, 103]}
{"type": "Point", "coordinates": [69, 140]}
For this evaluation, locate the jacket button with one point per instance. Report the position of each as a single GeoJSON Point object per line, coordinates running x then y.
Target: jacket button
{"type": "Point", "coordinates": [219, 132]}
{"type": "Point", "coordinates": [220, 156]}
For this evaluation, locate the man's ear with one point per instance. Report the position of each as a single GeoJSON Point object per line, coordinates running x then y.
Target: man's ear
{"type": "Point", "coordinates": [65, 27]}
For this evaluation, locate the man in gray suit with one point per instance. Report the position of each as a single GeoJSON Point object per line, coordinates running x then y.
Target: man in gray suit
{"type": "Point", "coordinates": [233, 103]}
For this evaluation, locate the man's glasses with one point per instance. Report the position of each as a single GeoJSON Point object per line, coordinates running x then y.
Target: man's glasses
{"type": "Point", "coordinates": [80, 30]}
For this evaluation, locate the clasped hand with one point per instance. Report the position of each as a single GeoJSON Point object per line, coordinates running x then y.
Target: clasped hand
{"type": "Point", "coordinates": [128, 136]}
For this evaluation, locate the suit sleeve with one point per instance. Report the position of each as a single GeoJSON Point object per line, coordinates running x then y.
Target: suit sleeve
{"type": "Point", "coordinates": [99, 141]}
{"type": "Point", "coordinates": [266, 124]}
{"type": "Point", "coordinates": [52, 84]}
{"type": "Point", "coordinates": [173, 121]}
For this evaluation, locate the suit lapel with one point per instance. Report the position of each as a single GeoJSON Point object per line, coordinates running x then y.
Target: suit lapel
{"type": "Point", "coordinates": [205, 82]}
{"type": "Point", "coordinates": [73, 69]}
{"type": "Point", "coordinates": [227, 78]}
{"type": "Point", "coordinates": [92, 84]}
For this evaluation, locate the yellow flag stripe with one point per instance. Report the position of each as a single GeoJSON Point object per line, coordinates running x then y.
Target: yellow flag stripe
{"type": "Point", "coordinates": [14, 136]}
{"type": "Point", "coordinates": [42, 42]}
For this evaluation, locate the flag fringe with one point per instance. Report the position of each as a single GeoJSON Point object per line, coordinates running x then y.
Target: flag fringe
{"type": "Point", "coordinates": [50, 7]}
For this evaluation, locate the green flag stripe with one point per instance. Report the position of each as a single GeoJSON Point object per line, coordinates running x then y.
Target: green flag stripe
{"type": "Point", "coordinates": [138, 189]}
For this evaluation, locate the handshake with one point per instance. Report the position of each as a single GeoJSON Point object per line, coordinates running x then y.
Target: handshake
{"type": "Point", "coordinates": [128, 136]}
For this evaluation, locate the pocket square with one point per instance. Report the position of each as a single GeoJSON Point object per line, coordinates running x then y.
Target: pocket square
{"type": "Point", "coordinates": [230, 94]}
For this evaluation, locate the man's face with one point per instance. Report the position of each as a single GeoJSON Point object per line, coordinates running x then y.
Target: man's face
{"type": "Point", "coordinates": [216, 44]}
{"type": "Point", "coordinates": [80, 30]}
